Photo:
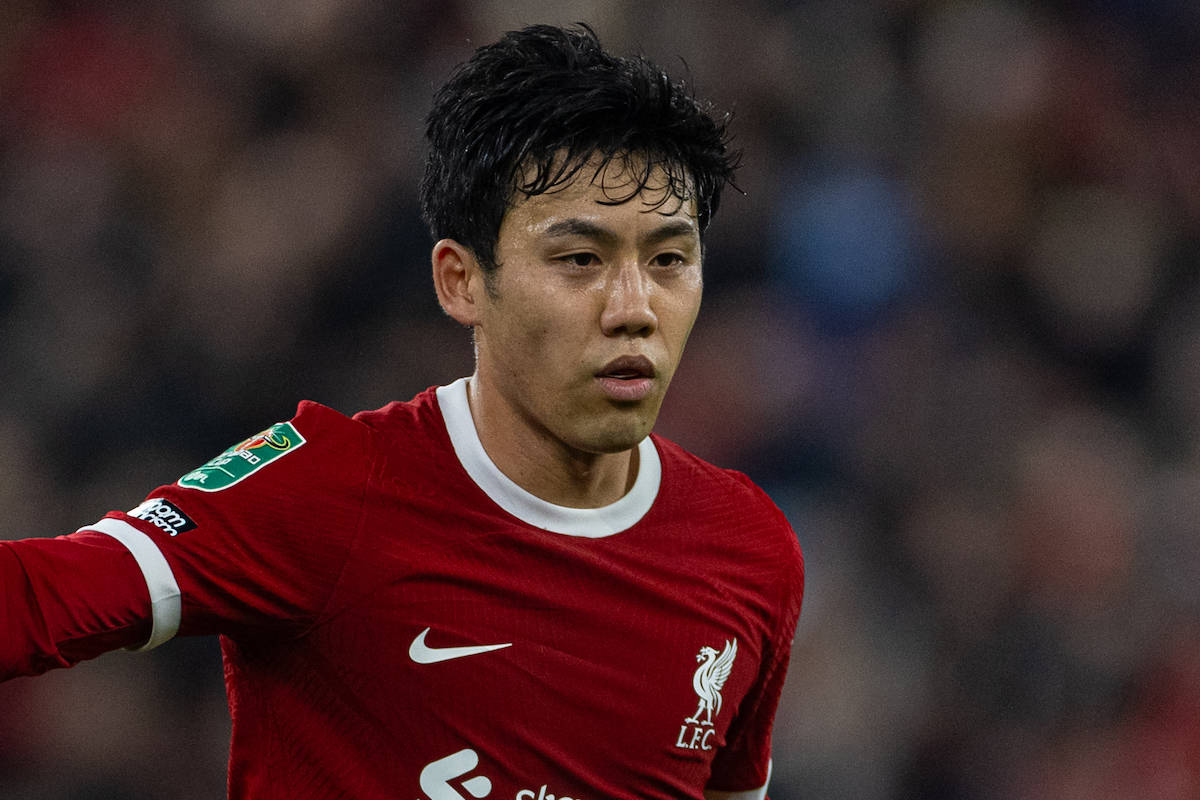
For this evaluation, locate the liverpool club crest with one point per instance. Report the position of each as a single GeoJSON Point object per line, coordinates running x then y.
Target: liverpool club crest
{"type": "Point", "coordinates": [708, 681]}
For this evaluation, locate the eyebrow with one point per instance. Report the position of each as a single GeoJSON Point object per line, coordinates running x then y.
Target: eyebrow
{"type": "Point", "coordinates": [581, 227]}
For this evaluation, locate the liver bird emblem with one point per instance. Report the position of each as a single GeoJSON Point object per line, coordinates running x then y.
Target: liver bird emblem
{"type": "Point", "coordinates": [710, 678]}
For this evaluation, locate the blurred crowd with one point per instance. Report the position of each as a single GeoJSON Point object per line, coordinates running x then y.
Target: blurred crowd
{"type": "Point", "coordinates": [952, 325]}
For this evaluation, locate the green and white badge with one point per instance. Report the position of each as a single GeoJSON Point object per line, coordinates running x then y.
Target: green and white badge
{"type": "Point", "coordinates": [244, 459]}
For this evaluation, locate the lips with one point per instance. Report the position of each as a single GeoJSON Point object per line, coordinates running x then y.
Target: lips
{"type": "Point", "coordinates": [628, 379]}
{"type": "Point", "coordinates": [627, 368]}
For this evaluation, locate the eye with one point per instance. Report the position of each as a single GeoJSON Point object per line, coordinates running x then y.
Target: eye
{"type": "Point", "coordinates": [668, 260]}
{"type": "Point", "coordinates": [583, 259]}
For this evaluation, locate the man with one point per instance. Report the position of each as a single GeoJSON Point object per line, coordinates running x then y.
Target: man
{"type": "Point", "coordinates": [505, 587]}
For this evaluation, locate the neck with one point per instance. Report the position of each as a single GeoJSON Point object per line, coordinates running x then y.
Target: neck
{"type": "Point", "coordinates": [543, 465]}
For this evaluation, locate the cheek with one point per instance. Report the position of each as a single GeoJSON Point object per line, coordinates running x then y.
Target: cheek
{"type": "Point", "coordinates": [550, 312]}
{"type": "Point", "coordinates": [681, 314]}
{"type": "Point", "coordinates": [533, 325]}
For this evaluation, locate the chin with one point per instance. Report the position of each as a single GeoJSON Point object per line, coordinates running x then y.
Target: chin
{"type": "Point", "coordinates": [619, 436]}
{"type": "Point", "coordinates": [616, 445]}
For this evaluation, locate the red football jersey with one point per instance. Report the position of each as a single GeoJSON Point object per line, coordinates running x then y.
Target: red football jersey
{"type": "Point", "coordinates": [399, 619]}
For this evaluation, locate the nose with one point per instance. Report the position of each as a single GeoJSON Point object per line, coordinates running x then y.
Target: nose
{"type": "Point", "coordinates": [627, 308]}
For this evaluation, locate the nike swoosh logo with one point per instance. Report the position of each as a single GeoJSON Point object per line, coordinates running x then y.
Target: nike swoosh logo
{"type": "Point", "coordinates": [422, 653]}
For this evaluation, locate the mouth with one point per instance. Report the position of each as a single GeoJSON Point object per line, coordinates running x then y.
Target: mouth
{"type": "Point", "coordinates": [627, 378]}
{"type": "Point", "coordinates": [627, 368]}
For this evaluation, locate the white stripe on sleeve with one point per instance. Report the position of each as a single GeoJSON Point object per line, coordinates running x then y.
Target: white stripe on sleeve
{"type": "Point", "coordinates": [165, 605]}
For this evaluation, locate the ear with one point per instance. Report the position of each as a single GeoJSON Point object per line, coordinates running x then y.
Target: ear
{"type": "Point", "coordinates": [458, 280]}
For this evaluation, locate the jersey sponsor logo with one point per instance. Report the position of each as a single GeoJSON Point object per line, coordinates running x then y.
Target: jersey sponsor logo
{"type": "Point", "coordinates": [697, 730]}
{"type": "Point", "coordinates": [422, 653]}
{"type": "Point", "coordinates": [541, 794]}
{"type": "Point", "coordinates": [440, 778]}
{"type": "Point", "coordinates": [163, 514]}
{"type": "Point", "coordinates": [244, 459]}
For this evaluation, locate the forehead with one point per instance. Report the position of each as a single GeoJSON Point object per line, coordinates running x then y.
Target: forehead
{"type": "Point", "coordinates": [620, 187]}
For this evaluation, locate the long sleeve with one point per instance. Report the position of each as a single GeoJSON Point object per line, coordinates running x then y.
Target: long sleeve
{"type": "Point", "coordinates": [250, 540]}
{"type": "Point", "coordinates": [67, 599]}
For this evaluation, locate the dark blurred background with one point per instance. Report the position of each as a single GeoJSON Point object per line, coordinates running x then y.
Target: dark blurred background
{"type": "Point", "coordinates": [951, 326]}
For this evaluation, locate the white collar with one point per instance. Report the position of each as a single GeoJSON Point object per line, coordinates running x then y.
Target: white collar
{"type": "Point", "coordinates": [593, 523]}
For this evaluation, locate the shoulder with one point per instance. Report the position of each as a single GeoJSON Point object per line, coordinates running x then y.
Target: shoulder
{"type": "Point", "coordinates": [403, 416]}
{"type": "Point", "coordinates": [695, 483]}
{"type": "Point", "coordinates": [755, 534]}
{"type": "Point", "coordinates": [321, 421]}
{"type": "Point", "coordinates": [685, 469]}
{"type": "Point", "coordinates": [323, 444]}
{"type": "Point", "coordinates": [316, 443]}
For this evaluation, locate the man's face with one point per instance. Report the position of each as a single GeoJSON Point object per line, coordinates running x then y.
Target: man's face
{"type": "Point", "coordinates": [590, 308]}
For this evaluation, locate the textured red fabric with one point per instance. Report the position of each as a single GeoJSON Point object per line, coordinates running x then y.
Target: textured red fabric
{"type": "Point", "coordinates": [322, 567]}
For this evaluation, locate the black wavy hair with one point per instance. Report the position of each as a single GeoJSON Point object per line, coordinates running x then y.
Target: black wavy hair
{"type": "Point", "coordinates": [527, 113]}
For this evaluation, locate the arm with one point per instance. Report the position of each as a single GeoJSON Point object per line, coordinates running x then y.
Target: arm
{"type": "Point", "coordinates": [745, 760]}
{"type": "Point", "coordinates": [190, 561]}
{"type": "Point", "coordinates": [67, 599]}
{"type": "Point", "coordinates": [752, 794]}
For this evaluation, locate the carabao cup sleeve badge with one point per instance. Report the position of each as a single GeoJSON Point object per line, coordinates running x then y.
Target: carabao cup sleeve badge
{"type": "Point", "coordinates": [244, 459]}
